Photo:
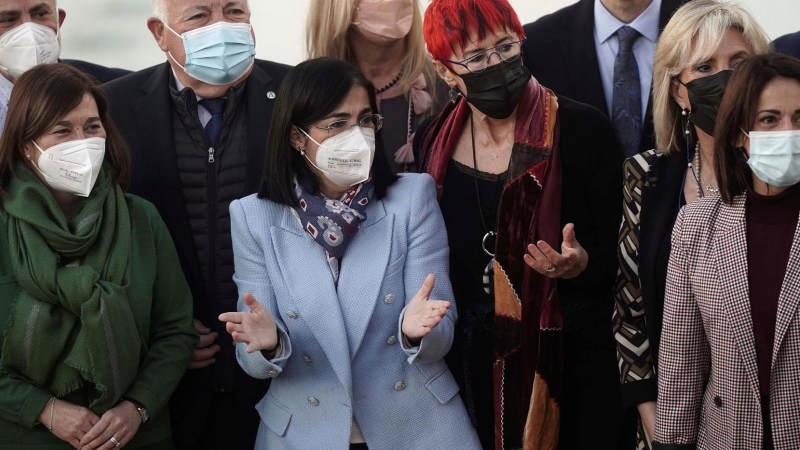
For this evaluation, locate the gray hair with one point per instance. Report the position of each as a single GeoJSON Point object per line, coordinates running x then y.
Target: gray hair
{"type": "Point", "coordinates": [160, 10]}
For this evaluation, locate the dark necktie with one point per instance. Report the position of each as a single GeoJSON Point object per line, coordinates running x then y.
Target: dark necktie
{"type": "Point", "coordinates": [216, 106]}
{"type": "Point", "coordinates": [626, 107]}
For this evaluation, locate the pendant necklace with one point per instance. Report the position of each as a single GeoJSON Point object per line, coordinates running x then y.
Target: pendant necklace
{"type": "Point", "coordinates": [488, 272]}
{"type": "Point", "coordinates": [391, 83]}
{"type": "Point", "coordinates": [699, 175]}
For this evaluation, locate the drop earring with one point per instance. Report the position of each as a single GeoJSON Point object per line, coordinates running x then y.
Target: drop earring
{"type": "Point", "coordinates": [453, 95]}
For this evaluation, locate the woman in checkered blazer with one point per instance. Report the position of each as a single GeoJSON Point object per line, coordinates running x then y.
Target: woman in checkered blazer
{"type": "Point", "coordinates": [729, 373]}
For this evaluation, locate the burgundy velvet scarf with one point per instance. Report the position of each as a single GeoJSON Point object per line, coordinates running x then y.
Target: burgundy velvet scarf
{"type": "Point", "coordinates": [527, 343]}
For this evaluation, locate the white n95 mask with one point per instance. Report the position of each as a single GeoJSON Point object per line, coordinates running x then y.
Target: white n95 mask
{"type": "Point", "coordinates": [775, 157]}
{"type": "Point", "coordinates": [26, 46]}
{"type": "Point", "coordinates": [73, 166]}
{"type": "Point", "coordinates": [346, 159]}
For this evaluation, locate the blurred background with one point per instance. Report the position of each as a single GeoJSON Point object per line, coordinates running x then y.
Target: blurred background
{"type": "Point", "coordinates": [114, 32]}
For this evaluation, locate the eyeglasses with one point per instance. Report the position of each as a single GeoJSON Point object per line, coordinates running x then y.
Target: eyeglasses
{"type": "Point", "coordinates": [477, 63]}
{"type": "Point", "coordinates": [374, 121]}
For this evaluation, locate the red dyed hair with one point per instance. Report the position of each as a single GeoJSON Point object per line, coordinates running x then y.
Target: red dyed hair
{"type": "Point", "coordinates": [448, 23]}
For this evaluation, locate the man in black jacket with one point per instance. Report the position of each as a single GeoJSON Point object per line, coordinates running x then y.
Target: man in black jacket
{"type": "Point", "coordinates": [19, 21]}
{"type": "Point", "coordinates": [197, 129]}
{"type": "Point", "coordinates": [788, 44]}
{"type": "Point", "coordinates": [580, 52]}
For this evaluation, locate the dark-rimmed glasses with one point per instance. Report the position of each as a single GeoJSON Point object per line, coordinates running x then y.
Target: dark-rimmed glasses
{"type": "Point", "coordinates": [477, 63]}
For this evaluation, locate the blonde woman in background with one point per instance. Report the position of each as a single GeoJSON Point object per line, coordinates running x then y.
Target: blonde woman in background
{"type": "Point", "coordinates": [701, 46]}
{"type": "Point", "coordinates": [383, 38]}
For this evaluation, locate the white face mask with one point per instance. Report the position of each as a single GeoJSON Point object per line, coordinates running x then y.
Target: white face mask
{"type": "Point", "coordinates": [26, 46]}
{"type": "Point", "coordinates": [346, 159]}
{"type": "Point", "coordinates": [775, 157]}
{"type": "Point", "coordinates": [73, 166]}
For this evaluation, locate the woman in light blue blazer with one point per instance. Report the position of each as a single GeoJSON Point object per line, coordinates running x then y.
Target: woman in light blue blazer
{"type": "Point", "coordinates": [340, 266]}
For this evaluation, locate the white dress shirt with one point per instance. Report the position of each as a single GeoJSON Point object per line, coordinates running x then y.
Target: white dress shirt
{"type": "Point", "coordinates": [5, 96]}
{"type": "Point", "coordinates": [202, 113]}
{"type": "Point", "coordinates": [607, 45]}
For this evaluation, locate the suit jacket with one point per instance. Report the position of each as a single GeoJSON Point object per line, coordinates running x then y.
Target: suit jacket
{"type": "Point", "coordinates": [651, 193]}
{"type": "Point", "coordinates": [141, 107]}
{"type": "Point", "coordinates": [708, 394]}
{"type": "Point", "coordinates": [789, 44]}
{"type": "Point", "coordinates": [343, 354]}
{"type": "Point", "coordinates": [561, 54]}
{"type": "Point", "coordinates": [100, 73]}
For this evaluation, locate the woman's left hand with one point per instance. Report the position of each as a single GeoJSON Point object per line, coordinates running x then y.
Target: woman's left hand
{"type": "Point", "coordinates": [423, 314]}
{"type": "Point", "coordinates": [120, 422]}
{"type": "Point", "coordinates": [569, 264]}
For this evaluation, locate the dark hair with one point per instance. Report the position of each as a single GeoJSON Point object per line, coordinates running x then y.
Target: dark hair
{"type": "Point", "coordinates": [737, 114]}
{"type": "Point", "coordinates": [42, 96]}
{"type": "Point", "coordinates": [310, 92]}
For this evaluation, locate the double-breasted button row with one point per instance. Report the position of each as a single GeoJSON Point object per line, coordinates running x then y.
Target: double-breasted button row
{"type": "Point", "coordinates": [399, 386]}
{"type": "Point", "coordinates": [291, 314]}
{"type": "Point", "coordinates": [312, 401]}
{"type": "Point", "coordinates": [392, 340]}
{"type": "Point", "coordinates": [389, 299]}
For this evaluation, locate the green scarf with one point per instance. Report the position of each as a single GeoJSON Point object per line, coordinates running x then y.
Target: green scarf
{"type": "Point", "coordinates": [70, 327]}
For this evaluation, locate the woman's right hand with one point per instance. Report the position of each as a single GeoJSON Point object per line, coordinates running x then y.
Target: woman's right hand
{"type": "Point", "coordinates": [255, 328]}
{"type": "Point", "coordinates": [647, 412]}
{"type": "Point", "coordinates": [70, 422]}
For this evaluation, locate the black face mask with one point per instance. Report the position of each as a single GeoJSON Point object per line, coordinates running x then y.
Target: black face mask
{"type": "Point", "coordinates": [496, 91]}
{"type": "Point", "coordinates": [705, 95]}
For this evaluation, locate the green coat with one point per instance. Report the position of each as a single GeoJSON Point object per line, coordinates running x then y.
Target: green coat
{"type": "Point", "coordinates": [162, 307]}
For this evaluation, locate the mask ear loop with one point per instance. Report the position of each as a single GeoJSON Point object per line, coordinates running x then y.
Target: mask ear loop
{"type": "Point", "coordinates": [688, 137]}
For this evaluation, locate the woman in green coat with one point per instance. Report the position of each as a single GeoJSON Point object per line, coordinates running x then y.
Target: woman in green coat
{"type": "Point", "coordinates": [95, 313]}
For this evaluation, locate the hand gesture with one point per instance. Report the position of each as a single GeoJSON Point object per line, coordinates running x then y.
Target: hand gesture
{"type": "Point", "coordinates": [422, 314]}
{"type": "Point", "coordinates": [205, 349]}
{"type": "Point", "coordinates": [256, 328]}
{"type": "Point", "coordinates": [120, 422]}
{"type": "Point", "coordinates": [70, 422]}
{"type": "Point", "coordinates": [569, 264]}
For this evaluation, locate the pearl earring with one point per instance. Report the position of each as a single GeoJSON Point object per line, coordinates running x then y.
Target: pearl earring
{"type": "Point", "coordinates": [29, 156]}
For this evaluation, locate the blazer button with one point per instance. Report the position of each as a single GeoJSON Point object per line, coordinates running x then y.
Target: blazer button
{"type": "Point", "coordinates": [399, 386]}
{"type": "Point", "coordinates": [389, 299]}
{"type": "Point", "coordinates": [392, 340]}
{"type": "Point", "coordinates": [718, 401]}
{"type": "Point", "coordinates": [272, 373]}
{"type": "Point", "coordinates": [306, 358]}
{"type": "Point", "coordinates": [312, 401]}
{"type": "Point", "coordinates": [291, 314]}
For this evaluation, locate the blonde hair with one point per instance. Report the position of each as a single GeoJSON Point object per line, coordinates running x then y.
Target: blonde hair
{"type": "Point", "coordinates": [327, 34]}
{"type": "Point", "coordinates": [691, 37]}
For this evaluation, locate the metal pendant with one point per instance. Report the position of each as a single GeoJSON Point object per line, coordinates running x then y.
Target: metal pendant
{"type": "Point", "coordinates": [490, 234]}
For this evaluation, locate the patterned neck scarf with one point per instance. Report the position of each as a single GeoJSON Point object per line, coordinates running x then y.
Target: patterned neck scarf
{"type": "Point", "coordinates": [333, 223]}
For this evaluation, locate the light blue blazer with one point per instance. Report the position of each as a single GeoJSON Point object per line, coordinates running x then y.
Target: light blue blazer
{"type": "Point", "coordinates": [343, 353]}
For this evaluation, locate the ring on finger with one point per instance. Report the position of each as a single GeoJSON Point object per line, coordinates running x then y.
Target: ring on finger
{"type": "Point", "coordinates": [551, 269]}
{"type": "Point", "coordinates": [115, 441]}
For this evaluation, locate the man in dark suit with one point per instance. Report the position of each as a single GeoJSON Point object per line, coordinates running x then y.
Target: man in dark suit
{"type": "Point", "coordinates": [197, 129]}
{"type": "Point", "coordinates": [600, 52]}
{"type": "Point", "coordinates": [18, 20]}
{"type": "Point", "coordinates": [788, 44]}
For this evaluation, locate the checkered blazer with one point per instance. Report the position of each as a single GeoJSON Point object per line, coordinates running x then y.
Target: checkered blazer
{"type": "Point", "coordinates": [708, 391]}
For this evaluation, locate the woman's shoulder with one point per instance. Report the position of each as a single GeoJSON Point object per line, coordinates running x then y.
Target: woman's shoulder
{"type": "Point", "coordinates": [697, 220]}
{"type": "Point", "coordinates": [639, 167]}
{"type": "Point", "coordinates": [254, 208]}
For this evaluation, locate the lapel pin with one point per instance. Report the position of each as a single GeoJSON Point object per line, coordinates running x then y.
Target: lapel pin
{"type": "Point", "coordinates": [271, 95]}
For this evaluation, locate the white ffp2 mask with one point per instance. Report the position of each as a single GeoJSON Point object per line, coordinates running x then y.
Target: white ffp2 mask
{"type": "Point", "coordinates": [26, 46]}
{"type": "Point", "coordinates": [775, 157]}
{"type": "Point", "coordinates": [73, 166]}
{"type": "Point", "coordinates": [346, 159]}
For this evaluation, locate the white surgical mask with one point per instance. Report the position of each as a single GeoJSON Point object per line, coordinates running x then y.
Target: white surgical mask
{"type": "Point", "coordinates": [26, 46]}
{"type": "Point", "coordinates": [218, 54]}
{"type": "Point", "coordinates": [775, 157]}
{"type": "Point", "coordinates": [73, 166]}
{"type": "Point", "coordinates": [346, 159]}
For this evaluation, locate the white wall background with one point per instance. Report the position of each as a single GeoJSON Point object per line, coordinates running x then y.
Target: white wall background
{"type": "Point", "coordinates": [114, 32]}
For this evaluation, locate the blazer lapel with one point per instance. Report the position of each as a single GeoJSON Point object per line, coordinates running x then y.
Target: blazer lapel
{"type": "Point", "coordinates": [260, 87]}
{"type": "Point", "coordinates": [789, 297]}
{"type": "Point", "coordinates": [310, 283]}
{"type": "Point", "coordinates": [362, 270]}
{"type": "Point", "coordinates": [153, 113]}
{"type": "Point", "coordinates": [582, 55]}
{"type": "Point", "coordinates": [730, 253]}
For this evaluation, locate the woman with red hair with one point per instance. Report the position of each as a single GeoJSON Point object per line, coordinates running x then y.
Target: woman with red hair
{"type": "Point", "coordinates": [519, 173]}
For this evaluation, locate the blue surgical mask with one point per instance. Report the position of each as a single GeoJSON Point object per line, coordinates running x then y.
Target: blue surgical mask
{"type": "Point", "coordinates": [775, 157]}
{"type": "Point", "coordinates": [218, 54]}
